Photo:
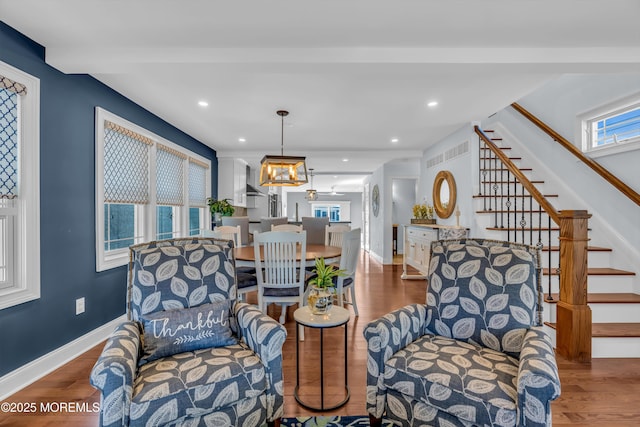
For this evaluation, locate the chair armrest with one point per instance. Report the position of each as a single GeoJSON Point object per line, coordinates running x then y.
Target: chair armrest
{"type": "Point", "coordinates": [538, 380]}
{"type": "Point", "coordinates": [386, 336]}
{"type": "Point", "coordinates": [114, 372]}
{"type": "Point", "coordinates": [265, 337]}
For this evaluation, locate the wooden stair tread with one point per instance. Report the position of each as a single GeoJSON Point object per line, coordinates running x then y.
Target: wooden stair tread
{"type": "Point", "coordinates": [512, 182]}
{"type": "Point", "coordinates": [605, 298]}
{"type": "Point", "coordinates": [504, 169]}
{"type": "Point", "coordinates": [523, 229]}
{"type": "Point", "coordinates": [494, 158]}
{"type": "Point", "coordinates": [500, 211]}
{"type": "Point", "coordinates": [502, 148]}
{"type": "Point", "coordinates": [596, 271]}
{"type": "Point", "coordinates": [589, 248]}
{"type": "Point", "coordinates": [504, 196]}
{"type": "Point", "coordinates": [610, 330]}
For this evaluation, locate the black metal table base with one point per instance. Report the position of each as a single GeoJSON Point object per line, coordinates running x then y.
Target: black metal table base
{"type": "Point", "coordinates": [346, 385]}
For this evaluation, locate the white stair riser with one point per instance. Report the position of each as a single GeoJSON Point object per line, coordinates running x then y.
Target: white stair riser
{"type": "Point", "coordinates": [597, 284]}
{"type": "Point", "coordinates": [596, 258]}
{"type": "Point", "coordinates": [608, 347]}
{"type": "Point", "coordinates": [601, 313]}
{"type": "Point", "coordinates": [615, 347]}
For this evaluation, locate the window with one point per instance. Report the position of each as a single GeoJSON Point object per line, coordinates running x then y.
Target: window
{"type": "Point", "coordinates": [143, 189]}
{"type": "Point", "coordinates": [612, 128]}
{"type": "Point", "coordinates": [336, 211]}
{"type": "Point", "coordinates": [19, 187]}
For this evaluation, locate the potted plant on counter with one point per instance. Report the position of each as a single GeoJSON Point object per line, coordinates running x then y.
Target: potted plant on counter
{"type": "Point", "coordinates": [322, 286]}
{"type": "Point", "coordinates": [220, 208]}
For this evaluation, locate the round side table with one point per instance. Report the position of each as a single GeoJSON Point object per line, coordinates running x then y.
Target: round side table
{"type": "Point", "coordinates": [336, 316]}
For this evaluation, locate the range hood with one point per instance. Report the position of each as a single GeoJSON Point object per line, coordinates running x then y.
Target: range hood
{"type": "Point", "coordinates": [251, 190]}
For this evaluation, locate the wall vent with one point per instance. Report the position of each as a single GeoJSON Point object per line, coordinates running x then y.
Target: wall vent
{"type": "Point", "coordinates": [456, 151]}
{"type": "Point", "coordinates": [435, 160]}
{"type": "Point", "coordinates": [450, 154]}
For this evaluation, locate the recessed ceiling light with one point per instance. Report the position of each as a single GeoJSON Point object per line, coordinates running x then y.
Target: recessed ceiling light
{"type": "Point", "coordinates": [395, 140]}
{"type": "Point", "coordinates": [203, 103]}
{"type": "Point", "coordinates": [242, 140]}
{"type": "Point", "coordinates": [432, 104]}
{"type": "Point", "coordinates": [335, 176]}
{"type": "Point", "coordinates": [345, 160]}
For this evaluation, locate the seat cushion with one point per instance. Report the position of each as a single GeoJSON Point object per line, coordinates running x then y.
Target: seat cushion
{"type": "Point", "coordinates": [246, 280]}
{"type": "Point", "coordinates": [195, 383]}
{"type": "Point", "coordinates": [473, 383]}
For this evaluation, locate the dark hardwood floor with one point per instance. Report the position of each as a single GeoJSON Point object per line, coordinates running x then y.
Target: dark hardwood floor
{"type": "Point", "coordinates": [603, 393]}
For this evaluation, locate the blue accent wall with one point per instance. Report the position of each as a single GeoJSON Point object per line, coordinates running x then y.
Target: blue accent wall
{"type": "Point", "coordinates": [67, 207]}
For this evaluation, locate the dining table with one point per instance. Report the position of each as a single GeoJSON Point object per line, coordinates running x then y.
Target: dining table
{"type": "Point", "coordinates": [245, 255]}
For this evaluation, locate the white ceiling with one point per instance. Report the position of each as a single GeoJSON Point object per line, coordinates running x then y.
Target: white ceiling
{"type": "Point", "coordinates": [353, 74]}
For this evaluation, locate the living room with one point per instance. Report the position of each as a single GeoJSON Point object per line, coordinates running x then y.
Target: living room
{"type": "Point", "coordinates": [45, 332]}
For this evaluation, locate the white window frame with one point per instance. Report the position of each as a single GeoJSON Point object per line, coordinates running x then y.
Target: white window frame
{"type": "Point", "coordinates": [146, 214]}
{"type": "Point", "coordinates": [585, 121]}
{"type": "Point", "coordinates": [345, 208]}
{"type": "Point", "coordinates": [24, 257]}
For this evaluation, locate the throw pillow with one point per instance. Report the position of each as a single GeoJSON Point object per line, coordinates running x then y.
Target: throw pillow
{"type": "Point", "coordinates": [177, 331]}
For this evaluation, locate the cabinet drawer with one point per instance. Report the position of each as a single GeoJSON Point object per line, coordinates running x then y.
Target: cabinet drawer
{"type": "Point", "coordinates": [416, 233]}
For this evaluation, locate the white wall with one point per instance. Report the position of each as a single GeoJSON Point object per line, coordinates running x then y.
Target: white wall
{"type": "Point", "coordinates": [615, 218]}
{"type": "Point", "coordinates": [380, 227]}
{"type": "Point", "coordinates": [461, 167]}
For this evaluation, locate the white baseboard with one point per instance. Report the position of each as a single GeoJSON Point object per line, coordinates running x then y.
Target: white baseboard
{"type": "Point", "coordinates": [20, 378]}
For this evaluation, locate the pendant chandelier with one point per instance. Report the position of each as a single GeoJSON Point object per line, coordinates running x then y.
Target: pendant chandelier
{"type": "Point", "coordinates": [283, 170]}
{"type": "Point", "coordinates": [311, 193]}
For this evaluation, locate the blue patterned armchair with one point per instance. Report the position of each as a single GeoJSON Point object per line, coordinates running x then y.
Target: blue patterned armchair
{"type": "Point", "coordinates": [475, 354]}
{"type": "Point", "coordinates": [190, 353]}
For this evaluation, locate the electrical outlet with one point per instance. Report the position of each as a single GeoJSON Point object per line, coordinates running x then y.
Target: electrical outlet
{"type": "Point", "coordinates": [80, 306]}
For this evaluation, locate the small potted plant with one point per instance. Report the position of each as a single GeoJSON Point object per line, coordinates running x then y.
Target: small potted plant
{"type": "Point", "coordinates": [321, 287]}
{"type": "Point", "coordinates": [220, 207]}
{"type": "Point", "coordinates": [423, 214]}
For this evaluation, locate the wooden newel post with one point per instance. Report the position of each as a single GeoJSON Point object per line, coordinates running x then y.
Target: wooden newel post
{"type": "Point", "coordinates": [573, 339]}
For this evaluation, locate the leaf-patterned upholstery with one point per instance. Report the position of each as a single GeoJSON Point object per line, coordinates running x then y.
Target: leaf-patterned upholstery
{"type": "Point", "coordinates": [239, 384]}
{"type": "Point", "coordinates": [475, 353]}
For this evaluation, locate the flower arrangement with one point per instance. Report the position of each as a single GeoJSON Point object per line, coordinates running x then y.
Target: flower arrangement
{"type": "Point", "coordinates": [424, 211]}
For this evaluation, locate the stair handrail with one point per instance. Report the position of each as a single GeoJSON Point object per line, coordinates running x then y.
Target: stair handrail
{"type": "Point", "coordinates": [524, 181]}
{"type": "Point", "coordinates": [597, 167]}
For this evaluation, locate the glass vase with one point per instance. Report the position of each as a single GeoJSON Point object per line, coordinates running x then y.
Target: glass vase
{"type": "Point", "coordinates": [319, 300]}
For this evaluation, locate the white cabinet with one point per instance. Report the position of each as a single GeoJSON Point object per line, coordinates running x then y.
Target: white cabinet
{"type": "Point", "coordinates": [232, 181]}
{"type": "Point", "coordinates": [417, 246]}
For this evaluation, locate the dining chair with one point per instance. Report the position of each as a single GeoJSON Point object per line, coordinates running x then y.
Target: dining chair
{"type": "Point", "coordinates": [349, 263]}
{"type": "Point", "coordinates": [265, 223]}
{"type": "Point", "coordinates": [286, 227]}
{"type": "Point", "coordinates": [243, 222]}
{"type": "Point", "coordinates": [281, 278]}
{"type": "Point", "coordinates": [246, 276]}
{"type": "Point", "coordinates": [333, 234]}
{"type": "Point", "coordinates": [314, 226]}
{"type": "Point", "coordinates": [228, 232]}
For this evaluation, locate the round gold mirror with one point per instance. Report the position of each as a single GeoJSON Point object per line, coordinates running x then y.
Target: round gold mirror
{"type": "Point", "coordinates": [444, 194]}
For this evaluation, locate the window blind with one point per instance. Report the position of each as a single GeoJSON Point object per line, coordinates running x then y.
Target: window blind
{"type": "Point", "coordinates": [15, 87]}
{"type": "Point", "coordinates": [8, 142]}
{"type": "Point", "coordinates": [126, 165]}
{"type": "Point", "coordinates": [197, 183]}
{"type": "Point", "coordinates": [169, 176]}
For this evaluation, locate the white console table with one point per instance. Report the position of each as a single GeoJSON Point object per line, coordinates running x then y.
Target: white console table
{"type": "Point", "coordinates": [417, 245]}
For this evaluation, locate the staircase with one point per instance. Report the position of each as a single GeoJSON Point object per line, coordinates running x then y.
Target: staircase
{"type": "Point", "coordinates": [506, 211]}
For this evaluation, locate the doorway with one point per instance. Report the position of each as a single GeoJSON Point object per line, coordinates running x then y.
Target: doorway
{"type": "Point", "coordinates": [403, 197]}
